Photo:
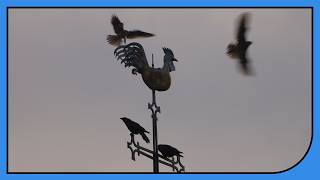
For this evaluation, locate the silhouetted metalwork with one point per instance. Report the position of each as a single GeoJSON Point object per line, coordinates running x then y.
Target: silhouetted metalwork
{"type": "Point", "coordinates": [133, 55]}
{"type": "Point", "coordinates": [157, 79]}
{"type": "Point", "coordinates": [122, 34]}
{"type": "Point", "coordinates": [239, 50]}
{"type": "Point", "coordinates": [135, 148]}
{"type": "Point", "coordinates": [154, 110]}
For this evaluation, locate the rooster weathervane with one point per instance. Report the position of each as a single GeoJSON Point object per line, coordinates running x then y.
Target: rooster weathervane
{"type": "Point", "coordinates": [157, 79]}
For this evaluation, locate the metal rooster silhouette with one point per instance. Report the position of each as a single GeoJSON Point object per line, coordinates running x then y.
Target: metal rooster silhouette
{"type": "Point", "coordinates": [155, 78]}
{"type": "Point", "coordinates": [239, 50]}
{"type": "Point", "coordinates": [122, 33]}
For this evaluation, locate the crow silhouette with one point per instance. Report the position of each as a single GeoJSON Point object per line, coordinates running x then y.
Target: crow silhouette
{"type": "Point", "coordinates": [169, 151]}
{"type": "Point", "coordinates": [135, 128]}
{"type": "Point", "coordinates": [239, 50]}
{"type": "Point", "coordinates": [121, 33]}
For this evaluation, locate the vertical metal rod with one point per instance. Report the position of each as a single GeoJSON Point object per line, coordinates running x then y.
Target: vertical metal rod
{"type": "Point", "coordinates": [155, 141]}
{"type": "Point", "coordinates": [155, 133]}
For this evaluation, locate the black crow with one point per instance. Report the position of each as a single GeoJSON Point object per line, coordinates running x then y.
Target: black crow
{"type": "Point", "coordinates": [169, 151]}
{"type": "Point", "coordinates": [135, 128]}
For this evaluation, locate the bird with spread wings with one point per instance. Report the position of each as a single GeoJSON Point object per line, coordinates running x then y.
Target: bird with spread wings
{"type": "Point", "coordinates": [122, 34]}
{"type": "Point", "coordinates": [239, 50]}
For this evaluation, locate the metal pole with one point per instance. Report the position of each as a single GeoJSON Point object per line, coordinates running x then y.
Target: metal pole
{"type": "Point", "coordinates": [155, 140]}
{"type": "Point", "coordinates": [155, 133]}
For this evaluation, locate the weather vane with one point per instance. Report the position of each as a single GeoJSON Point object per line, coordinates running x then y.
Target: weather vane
{"type": "Point", "coordinates": [157, 79]}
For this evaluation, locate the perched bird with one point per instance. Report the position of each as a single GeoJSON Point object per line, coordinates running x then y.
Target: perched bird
{"type": "Point", "coordinates": [122, 33]}
{"type": "Point", "coordinates": [169, 151]}
{"type": "Point", "coordinates": [135, 128]}
{"type": "Point", "coordinates": [155, 78]}
{"type": "Point", "coordinates": [239, 50]}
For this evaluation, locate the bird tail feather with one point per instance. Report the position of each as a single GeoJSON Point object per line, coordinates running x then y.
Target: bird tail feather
{"type": "Point", "coordinates": [145, 137]}
{"type": "Point", "coordinates": [114, 40]}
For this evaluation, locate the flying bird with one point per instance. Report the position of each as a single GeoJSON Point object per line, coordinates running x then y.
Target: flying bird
{"type": "Point", "coordinates": [155, 78]}
{"type": "Point", "coordinates": [239, 50]}
{"type": "Point", "coordinates": [122, 34]}
{"type": "Point", "coordinates": [135, 128]}
{"type": "Point", "coordinates": [169, 151]}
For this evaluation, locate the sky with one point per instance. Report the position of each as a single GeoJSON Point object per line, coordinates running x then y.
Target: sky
{"type": "Point", "coordinates": [67, 91]}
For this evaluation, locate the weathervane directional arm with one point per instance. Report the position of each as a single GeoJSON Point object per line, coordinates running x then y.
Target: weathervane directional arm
{"type": "Point", "coordinates": [136, 148]}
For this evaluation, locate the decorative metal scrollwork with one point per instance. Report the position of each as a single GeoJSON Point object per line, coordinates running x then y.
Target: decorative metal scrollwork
{"type": "Point", "coordinates": [135, 148]}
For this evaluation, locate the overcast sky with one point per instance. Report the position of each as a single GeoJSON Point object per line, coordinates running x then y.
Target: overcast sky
{"type": "Point", "coordinates": [67, 91]}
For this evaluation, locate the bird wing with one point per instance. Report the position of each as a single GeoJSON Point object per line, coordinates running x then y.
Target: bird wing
{"type": "Point", "coordinates": [134, 126]}
{"type": "Point", "coordinates": [168, 151]}
{"type": "Point", "coordinates": [137, 126]}
{"type": "Point", "coordinates": [145, 137]}
{"type": "Point", "coordinates": [117, 24]}
{"type": "Point", "coordinates": [138, 33]}
{"type": "Point", "coordinates": [144, 130]}
{"type": "Point", "coordinates": [242, 27]}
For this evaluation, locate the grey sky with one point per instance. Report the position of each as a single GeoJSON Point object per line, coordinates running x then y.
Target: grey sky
{"type": "Point", "coordinates": [67, 91]}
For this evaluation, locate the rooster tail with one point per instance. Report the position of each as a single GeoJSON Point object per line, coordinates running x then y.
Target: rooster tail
{"type": "Point", "coordinates": [114, 40]}
{"type": "Point", "coordinates": [132, 55]}
{"type": "Point", "coordinates": [145, 137]}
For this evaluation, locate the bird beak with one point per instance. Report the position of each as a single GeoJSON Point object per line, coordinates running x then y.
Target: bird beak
{"type": "Point", "coordinates": [174, 59]}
